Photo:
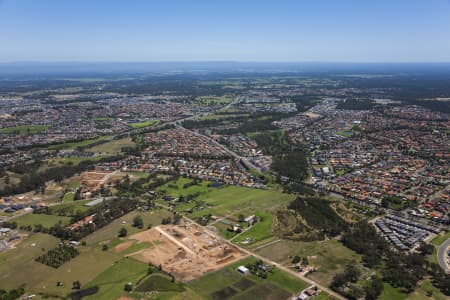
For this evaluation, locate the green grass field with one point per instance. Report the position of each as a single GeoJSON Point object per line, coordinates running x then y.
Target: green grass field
{"type": "Point", "coordinates": [160, 283]}
{"type": "Point", "coordinates": [114, 146]}
{"type": "Point", "coordinates": [231, 200]}
{"type": "Point", "coordinates": [69, 197]}
{"type": "Point", "coordinates": [330, 256]}
{"type": "Point", "coordinates": [71, 207]}
{"type": "Point", "coordinates": [144, 124]}
{"type": "Point", "coordinates": [426, 290]}
{"type": "Point", "coordinates": [278, 285]}
{"type": "Point", "coordinates": [391, 293]}
{"type": "Point", "coordinates": [259, 231]}
{"type": "Point", "coordinates": [441, 238]}
{"type": "Point", "coordinates": [108, 234]}
{"type": "Point", "coordinates": [24, 129]}
{"type": "Point", "coordinates": [175, 188]}
{"type": "Point", "coordinates": [111, 282]}
{"type": "Point", "coordinates": [102, 119]}
{"type": "Point", "coordinates": [17, 266]}
{"type": "Point", "coordinates": [73, 145]}
{"type": "Point", "coordinates": [45, 220]}
{"type": "Point", "coordinates": [85, 267]}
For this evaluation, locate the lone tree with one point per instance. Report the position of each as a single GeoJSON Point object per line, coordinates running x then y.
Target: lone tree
{"type": "Point", "coordinates": [137, 222]}
{"type": "Point", "coordinates": [76, 285]}
{"type": "Point", "coordinates": [241, 218]}
{"type": "Point", "coordinates": [296, 259]}
{"type": "Point", "coordinates": [123, 232]}
{"type": "Point", "coordinates": [128, 287]}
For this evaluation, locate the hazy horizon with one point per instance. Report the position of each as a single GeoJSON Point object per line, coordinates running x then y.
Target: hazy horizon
{"type": "Point", "coordinates": [349, 31]}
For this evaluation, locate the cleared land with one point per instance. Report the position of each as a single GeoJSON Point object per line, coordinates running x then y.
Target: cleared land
{"type": "Point", "coordinates": [114, 146]}
{"type": "Point", "coordinates": [330, 257]}
{"type": "Point", "coordinates": [186, 251]}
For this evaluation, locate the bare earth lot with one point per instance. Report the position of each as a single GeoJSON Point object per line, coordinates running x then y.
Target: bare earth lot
{"type": "Point", "coordinates": [187, 251]}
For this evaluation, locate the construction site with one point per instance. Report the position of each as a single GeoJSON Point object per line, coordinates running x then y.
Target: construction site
{"type": "Point", "coordinates": [187, 251]}
{"type": "Point", "coordinates": [93, 180]}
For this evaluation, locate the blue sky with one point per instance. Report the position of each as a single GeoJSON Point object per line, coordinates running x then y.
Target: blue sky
{"type": "Point", "coordinates": [244, 30]}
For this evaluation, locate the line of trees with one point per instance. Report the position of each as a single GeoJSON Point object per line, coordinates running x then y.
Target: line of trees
{"type": "Point", "coordinates": [103, 215]}
{"type": "Point", "coordinates": [34, 180]}
{"type": "Point", "coordinates": [12, 294]}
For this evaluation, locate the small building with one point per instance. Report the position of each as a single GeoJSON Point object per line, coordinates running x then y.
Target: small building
{"type": "Point", "coordinates": [4, 231]}
{"type": "Point", "coordinates": [243, 270]}
{"type": "Point", "coordinates": [250, 219]}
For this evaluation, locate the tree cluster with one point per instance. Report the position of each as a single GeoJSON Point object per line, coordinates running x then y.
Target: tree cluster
{"type": "Point", "coordinates": [58, 256]}
{"type": "Point", "coordinates": [398, 269]}
{"type": "Point", "coordinates": [12, 294]}
{"type": "Point", "coordinates": [318, 214]}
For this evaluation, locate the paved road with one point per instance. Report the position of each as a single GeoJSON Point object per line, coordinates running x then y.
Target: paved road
{"type": "Point", "coordinates": [234, 154]}
{"type": "Point", "coordinates": [442, 255]}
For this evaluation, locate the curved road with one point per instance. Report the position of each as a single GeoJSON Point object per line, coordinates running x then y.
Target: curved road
{"type": "Point", "coordinates": [442, 255]}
